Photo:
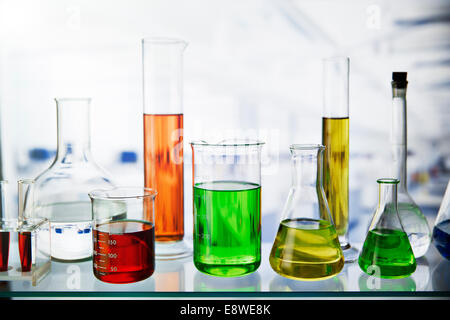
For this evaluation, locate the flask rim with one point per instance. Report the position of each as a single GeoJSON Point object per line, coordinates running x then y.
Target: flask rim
{"type": "Point", "coordinates": [307, 147]}
{"type": "Point", "coordinates": [229, 143]}
{"type": "Point", "coordinates": [122, 193]}
{"type": "Point", "coordinates": [68, 99]}
{"type": "Point", "coordinates": [163, 40]}
{"type": "Point", "coordinates": [26, 181]}
{"type": "Point", "coordinates": [388, 180]}
{"type": "Point", "coordinates": [336, 58]}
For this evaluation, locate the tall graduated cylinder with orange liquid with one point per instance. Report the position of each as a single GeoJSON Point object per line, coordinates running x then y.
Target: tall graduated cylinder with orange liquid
{"type": "Point", "coordinates": [163, 141]}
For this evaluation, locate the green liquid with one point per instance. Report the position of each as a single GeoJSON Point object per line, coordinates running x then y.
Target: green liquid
{"type": "Point", "coordinates": [387, 254]}
{"type": "Point", "coordinates": [306, 249]}
{"type": "Point", "coordinates": [227, 227]}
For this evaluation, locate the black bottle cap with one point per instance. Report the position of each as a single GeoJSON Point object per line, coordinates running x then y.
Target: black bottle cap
{"type": "Point", "coordinates": [400, 79]}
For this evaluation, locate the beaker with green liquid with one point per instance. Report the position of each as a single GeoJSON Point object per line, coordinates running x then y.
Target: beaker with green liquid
{"type": "Point", "coordinates": [306, 246]}
{"type": "Point", "coordinates": [387, 252]}
{"type": "Point", "coordinates": [227, 206]}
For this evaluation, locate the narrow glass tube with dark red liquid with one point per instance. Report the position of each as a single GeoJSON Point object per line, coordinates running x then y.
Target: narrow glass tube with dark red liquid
{"type": "Point", "coordinates": [4, 232]}
{"type": "Point", "coordinates": [163, 141]}
{"type": "Point", "coordinates": [26, 223]}
{"type": "Point", "coordinates": [25, 251]}
{"type": "Point", "coordinates": [4, 250]}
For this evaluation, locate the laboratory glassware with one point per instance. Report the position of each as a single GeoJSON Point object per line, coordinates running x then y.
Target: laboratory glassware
{"type": "Point", "coordinates": [414, 222]}
{"type": "Point", "coordinates": [61, 191]}
{"type": "Point", "coordinates": [386, 252]}
{"type": "Point", "coordinates": [123, 234]}
{"type": "Point", "coordinates": [5, 229]}
{"type": "Point", "coordinates": [163, 141]}
{"type": "Point", "coordinates": [441, 230]}
{"type": "Point", "coordinates": [306, 246]}
{"type": "Point", "coordinates": [227, 206]}
{"type": "Point", "coordinates": [335, 138]}
{"type": "Point", "coordinates": [24, 240]}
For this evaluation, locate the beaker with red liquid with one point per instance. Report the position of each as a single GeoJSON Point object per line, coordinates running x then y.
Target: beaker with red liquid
{"type": "Point", "coordinates": [124, 234]}
{"type": "Point", "coordinates": [162, 60]}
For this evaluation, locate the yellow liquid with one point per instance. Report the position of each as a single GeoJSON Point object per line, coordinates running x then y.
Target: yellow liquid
{"type": "Point", "coordinates": [335, 137]}
{"type": "Point", "coordinates": [306, 249]}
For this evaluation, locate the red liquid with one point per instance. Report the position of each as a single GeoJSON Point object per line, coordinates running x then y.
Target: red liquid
{"type": "Point", "coordinates": [163, 166]}
{"type": "Point", "coordinates": [25, 250]}
{"type": "Point", "coordinates": [124, 251]}
{"type": "Point", "coordinates": [4, 250]}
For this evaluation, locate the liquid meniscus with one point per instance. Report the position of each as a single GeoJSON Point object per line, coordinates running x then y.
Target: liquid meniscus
{"type": "Point", "coordinates": [387, 253]}
{"type": "Point", "coordinates": [124, 251]}
{"type": "Point", "coordinates": [227, 227]}
{"type": "Point", "coordinates": [441, 238]}
{"type": "Point", "coordinates": [306, 249]}
{"type": "Point", "coordinates": [335, 138]}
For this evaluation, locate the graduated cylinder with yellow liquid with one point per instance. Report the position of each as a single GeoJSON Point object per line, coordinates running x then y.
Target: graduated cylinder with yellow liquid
{"type": "Point", "coordinates": [306, 246]}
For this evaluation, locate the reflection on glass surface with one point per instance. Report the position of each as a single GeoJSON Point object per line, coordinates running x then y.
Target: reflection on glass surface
{"type": "Point", "coordinates": [143, 285]}
{"type": "Point", "coordinates": [248, 283]}
{"type": "Point", "coordinates": [70, 276]}
{"type": "Point", "coordinates": [422, 274]}
{"type": "Point", "coordinates": [441, 276]}
{"type": "Point", "coordinates": [337, 283]}
{"type": "Point", "coordinates": [371, 283]}
{"type": "Point", "coordinates": [170, 275]}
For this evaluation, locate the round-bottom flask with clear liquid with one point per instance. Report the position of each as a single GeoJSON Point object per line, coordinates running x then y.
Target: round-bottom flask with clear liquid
{"type": "Point", "coordinates": [306, 246]}
{"type": "Point", "coordinates": [61, 191]}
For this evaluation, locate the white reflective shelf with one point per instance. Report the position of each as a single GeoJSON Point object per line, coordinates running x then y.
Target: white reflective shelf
{"type": "Point", "coordinates": [180, 278]}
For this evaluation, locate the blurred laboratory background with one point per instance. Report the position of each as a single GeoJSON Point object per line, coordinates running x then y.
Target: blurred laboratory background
{"type": "Point", "coordinates": [252, 68]}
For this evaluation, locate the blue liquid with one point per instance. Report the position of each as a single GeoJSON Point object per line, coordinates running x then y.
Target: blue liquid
{"type": "Point", "coordinates": [441, 238]}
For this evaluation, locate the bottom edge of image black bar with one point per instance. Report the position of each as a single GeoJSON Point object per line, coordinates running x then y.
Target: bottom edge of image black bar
{"type": "Point", "coordinates": [226, 308]}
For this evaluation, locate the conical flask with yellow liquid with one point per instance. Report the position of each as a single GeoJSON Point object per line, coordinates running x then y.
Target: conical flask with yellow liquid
{"type": "Point", "coordinates": [306, 246]}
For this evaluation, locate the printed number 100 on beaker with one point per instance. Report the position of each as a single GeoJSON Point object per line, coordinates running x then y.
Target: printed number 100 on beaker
{"type": "Point", "coordinates": [123, 234]}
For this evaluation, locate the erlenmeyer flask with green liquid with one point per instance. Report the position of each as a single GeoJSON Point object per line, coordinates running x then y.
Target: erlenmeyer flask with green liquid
{"type": "Point", "coordinates": [386, 252]}
{"type": "Point", "coordinates": [306, 246]}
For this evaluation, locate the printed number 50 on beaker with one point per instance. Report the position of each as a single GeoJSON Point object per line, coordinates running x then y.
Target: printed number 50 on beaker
{"type": "Point", "coordinates": [124, 234]}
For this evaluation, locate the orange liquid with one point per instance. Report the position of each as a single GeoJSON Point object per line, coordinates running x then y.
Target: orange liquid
{"type": "Point", "coordinates": [163, 165]}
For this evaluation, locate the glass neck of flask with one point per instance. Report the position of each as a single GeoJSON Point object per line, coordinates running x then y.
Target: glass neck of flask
{"type": "Point", "coordinates": [399, 136]}
{"type": "Point", "coordinates": [306, 166]}
{"type": "Point", "coordinates": [73, 129]}
{"type": "Point", "coordinates": [387, 194]}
